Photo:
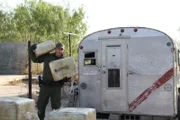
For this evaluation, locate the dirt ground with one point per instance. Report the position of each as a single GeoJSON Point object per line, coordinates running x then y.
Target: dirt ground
{"type": "Point", "coordinates": [21, 89]}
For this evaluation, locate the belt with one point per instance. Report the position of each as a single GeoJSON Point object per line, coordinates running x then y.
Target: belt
{"type": "Point", "coordinates": [51, 83]}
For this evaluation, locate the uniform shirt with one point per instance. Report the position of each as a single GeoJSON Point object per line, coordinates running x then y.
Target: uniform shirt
{"type": "Point", "coordinates": [46, 58]}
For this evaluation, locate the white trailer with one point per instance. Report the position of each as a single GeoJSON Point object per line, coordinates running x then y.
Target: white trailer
{"type": "Point", "coordinates": [130, 71]}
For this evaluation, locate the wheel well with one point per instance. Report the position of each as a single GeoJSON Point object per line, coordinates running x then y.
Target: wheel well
{"type": "Point", "coordinates": [178, 90]}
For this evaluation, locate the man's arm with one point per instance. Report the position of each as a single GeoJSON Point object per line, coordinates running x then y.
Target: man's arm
{"type": "Point", "coordinates": [35, 59]}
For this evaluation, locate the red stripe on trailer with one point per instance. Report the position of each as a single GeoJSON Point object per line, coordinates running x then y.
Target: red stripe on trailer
{"type": "Point", "coordinates": [143, 96]}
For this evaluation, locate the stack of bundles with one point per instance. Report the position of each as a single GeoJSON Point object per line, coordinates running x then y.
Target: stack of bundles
{"type": "Point", "coordinates": [14, 108]}
{"type": "Point", "coordinates": [63, 68]}
{"type": "Point", "coordinates": [73, 114]}
{"type": "Point", "coordinates": [44, 47]}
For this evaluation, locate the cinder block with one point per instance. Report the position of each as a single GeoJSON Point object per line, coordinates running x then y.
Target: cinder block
{"type": "Point", "coordinates": [73, 114]}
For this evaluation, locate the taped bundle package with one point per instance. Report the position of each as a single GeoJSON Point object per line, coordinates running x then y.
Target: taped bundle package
{"type": "Point", "coordinates": [73, 114]}
{"type": "Point", "coordinates": [63, 68]}
{"type": "Point", "coordinates": [44, 47]}
{"type": "Point", "coordinates": [14, 108]}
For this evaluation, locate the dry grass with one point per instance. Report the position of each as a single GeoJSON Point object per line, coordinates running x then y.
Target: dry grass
{"type": "Point", "coordinates": [15, 82]}
{"type": "Point", "coordinates": [21, 81]}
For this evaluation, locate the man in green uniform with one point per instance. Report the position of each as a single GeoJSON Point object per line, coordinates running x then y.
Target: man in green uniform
{"type": "Point", "coordinates": [49, 89]}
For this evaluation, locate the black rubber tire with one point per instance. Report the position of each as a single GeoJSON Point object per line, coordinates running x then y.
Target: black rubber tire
{"type": "Point", "coordinates": [102, 115]}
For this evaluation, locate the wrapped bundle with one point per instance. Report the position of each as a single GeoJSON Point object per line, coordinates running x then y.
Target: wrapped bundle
{"type": "Point", "coordinates": [44, 47]}
{"type": "Point", "coordinates": [73, 114]}
{"type": "Point", "coordinates": [31, 116]}
{"type": "Point", "coordinates": [63, 68]}
{"type": "Point", "coordinates": [14, 108]}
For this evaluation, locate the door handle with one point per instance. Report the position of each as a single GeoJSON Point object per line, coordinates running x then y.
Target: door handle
{"type": "Point", "coordinates": [103, 72]}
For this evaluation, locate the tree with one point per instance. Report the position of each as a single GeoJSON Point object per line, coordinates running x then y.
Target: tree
{"type": "Point", "coordinates": [72, 27]}
{"type": "Point", "coordinates": [39, 21]}
{"type": "Point", "coordinates": [7, 26]}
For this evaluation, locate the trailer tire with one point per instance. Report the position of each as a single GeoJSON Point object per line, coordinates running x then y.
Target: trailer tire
{"type": "Point", "coordinates": [102, 115]}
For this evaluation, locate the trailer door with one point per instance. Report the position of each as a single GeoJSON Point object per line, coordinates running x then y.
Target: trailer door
{"type": "Point", "coordinates": [114, 75]}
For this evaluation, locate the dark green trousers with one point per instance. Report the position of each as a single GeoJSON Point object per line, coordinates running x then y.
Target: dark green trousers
{"type": "Point", "coordinates": [48, 92]}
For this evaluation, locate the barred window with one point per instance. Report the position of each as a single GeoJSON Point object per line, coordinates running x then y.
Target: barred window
{"type": "Point", "coordinates": [89, 58]}
{"type": "Point", "coordinates": [113, 78]}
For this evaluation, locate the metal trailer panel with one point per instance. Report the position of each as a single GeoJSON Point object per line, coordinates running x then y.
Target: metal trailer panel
{"type": "Point", "coordinates": [149, 57]}
{"type": "Point", "coordinates": [90, 76]}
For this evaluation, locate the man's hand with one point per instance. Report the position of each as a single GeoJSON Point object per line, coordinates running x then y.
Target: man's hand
{"type": "Point", "coordinates": [40, 80]}
{"type": "Point", "coordinates": [67, 79]}
{"type": "Point", "coordinates": [34, 46]}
